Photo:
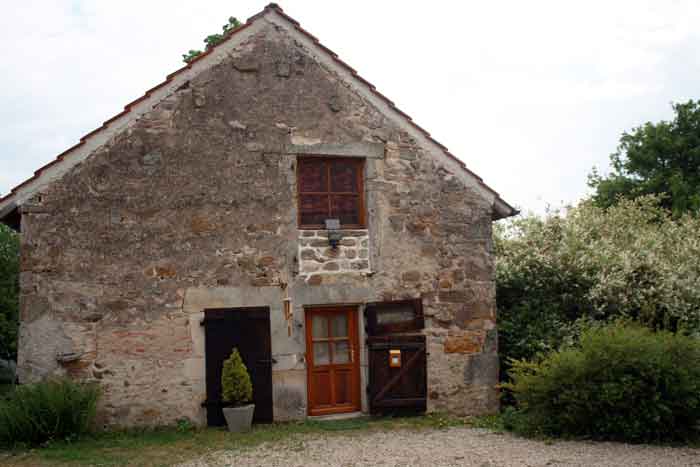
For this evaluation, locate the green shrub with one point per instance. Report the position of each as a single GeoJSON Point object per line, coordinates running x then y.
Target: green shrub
{"type": "Point", "coordinates": [7, 371]}
{"type": "Point", "coordinates": [9, 292]}
{"type": "Point", "coordinates": [236, 386]}
{"type": "Point", "coordinates": [632, 261]}
{"type": "Point", "coordinates": [619, 383]}
{"type": "Point", "coordinates": [34, 414]}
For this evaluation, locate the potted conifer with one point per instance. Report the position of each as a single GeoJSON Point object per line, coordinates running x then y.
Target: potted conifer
{"type": "Point", "coordinates": [237, 393]}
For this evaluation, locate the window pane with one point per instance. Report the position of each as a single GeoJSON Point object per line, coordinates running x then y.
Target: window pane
{"type": "Point", "coordinates": [313, 209]}
{"type": "Point", "coordinates": [321, 353]}
{"type": "Point", "coordinates": [339, 325]}
{"type": "Point", "coordinates": [312, 176]}
{"type": "Point", "coordinates": [346, 208]}
{"type": "Point", "coordinates": [341, 352]}
{"type": "Point", "coordinates": [344, 176]}
{"type": "Point", "coordinates": [319, 326]}
{"type": "Point", "coordinates": [398, 314]}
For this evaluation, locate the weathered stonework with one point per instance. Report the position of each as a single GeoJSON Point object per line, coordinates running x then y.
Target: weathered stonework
{"type": "Point", "coordinates": [192, 206]}
{"type": "Point", "coordinates": [316, 256]}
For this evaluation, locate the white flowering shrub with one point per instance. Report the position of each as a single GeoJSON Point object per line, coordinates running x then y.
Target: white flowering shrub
{"type": "Point", "coordinates": [631, 260]}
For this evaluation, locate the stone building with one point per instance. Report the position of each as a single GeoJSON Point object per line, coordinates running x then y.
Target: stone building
{"type": "Point", "coordinates": [208, 197]}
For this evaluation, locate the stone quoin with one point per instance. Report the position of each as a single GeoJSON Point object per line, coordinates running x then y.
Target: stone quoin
{"type": "Point", "coordinates": [211, 192]}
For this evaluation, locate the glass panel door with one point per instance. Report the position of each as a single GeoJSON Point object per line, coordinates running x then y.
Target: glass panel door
{"type": "Point", "coordinates": [333, 367]}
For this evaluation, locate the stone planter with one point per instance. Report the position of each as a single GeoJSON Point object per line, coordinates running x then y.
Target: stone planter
{"type": "Point", "coordinates": [239, 419]}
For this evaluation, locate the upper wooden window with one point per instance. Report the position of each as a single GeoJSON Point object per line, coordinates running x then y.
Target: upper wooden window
{"type": "Point", "coordinates": [330, 188]}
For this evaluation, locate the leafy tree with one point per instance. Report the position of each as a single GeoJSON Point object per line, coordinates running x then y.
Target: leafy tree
{"type": "Point", "coordinates": [9, 292]}
{"type": "Point", "coordinates": [656, 158]}
{"type": "Point", "coordinates": [213, 39]}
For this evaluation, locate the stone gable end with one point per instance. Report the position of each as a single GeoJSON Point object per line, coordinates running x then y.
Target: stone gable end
{"type": "Point", "coordinates": [194, 206]}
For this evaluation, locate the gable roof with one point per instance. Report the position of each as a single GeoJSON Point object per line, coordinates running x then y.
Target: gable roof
{"type": "Point", "coordinates": [10, 203]}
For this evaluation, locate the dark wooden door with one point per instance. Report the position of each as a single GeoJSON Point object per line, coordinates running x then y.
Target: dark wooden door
{"type": "Point", "coordinates": [395, 389]}
{"type": "Point", "coordinates": [247, 329]}
{"type": "Point", "coordinates": [333, 360]}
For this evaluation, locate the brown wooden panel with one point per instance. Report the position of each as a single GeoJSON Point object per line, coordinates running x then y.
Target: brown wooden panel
{"type": "Point", "coordinates": [346, 208]}
{"type": "Point", "coordinates": [397, 388]}
{"type": "Point", "coordinates": [343, 387]}
{"type": "Point", "coordinates": [322, 388]}
{"type": "Point", "coordinates": [344, 176]}
{"type": "Point", "coordinates": [312, 176]}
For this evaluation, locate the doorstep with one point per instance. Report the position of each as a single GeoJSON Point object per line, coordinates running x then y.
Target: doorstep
{"type": "Point", "coordinates": [337, 416]}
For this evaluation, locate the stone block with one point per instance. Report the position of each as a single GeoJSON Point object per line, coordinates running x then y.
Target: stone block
{"type": "Point", "coordinates": [348, 242]}
{"type": "Point", "coordinates": [33, 307]}
{"type": "Point", "coordinates": [201, 225]}
{"type": "Point", "coordinates": [491, 342]}
{"type": "Point", "coordinates": [465, 343]}
{"type": "Point", "coordinates": [289, 395]}
{"type": "Point", "coordinates": [411, 276]}
{"type": "Point", "coordinates": [315, 279]}
{"type": "Point", "coordinates": [194, 369]}
{"type": "Point", "coordinates": [481, 369]}
{"type": "Point", "coordinates": [308, 267]}
{"type": "Point", "coordinates": [407, 154]}
{"type": "Point", "coordinates": [331, 253]}
{"type": "Point", "coordinates": [452, 296]}
{"type": "Point", "coordinates": [309, 255]}
{"type": "Point", "coordinates": [284, 69]}
{"type": "Point", "coordinates": [358, 265]}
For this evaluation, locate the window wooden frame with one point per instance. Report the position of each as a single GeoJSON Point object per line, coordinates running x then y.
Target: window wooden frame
{"type": "Point", "coordinates": [375, 328]}
{"type": "Point", "coordinates": [327, 163]}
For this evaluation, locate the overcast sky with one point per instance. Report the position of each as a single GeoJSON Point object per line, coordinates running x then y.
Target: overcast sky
{"type": "Point", "coordinates": [531, 95]}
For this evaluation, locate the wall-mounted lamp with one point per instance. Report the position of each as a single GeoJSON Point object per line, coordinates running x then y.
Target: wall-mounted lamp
{"type": "Point", "coordinates": [334, 234]}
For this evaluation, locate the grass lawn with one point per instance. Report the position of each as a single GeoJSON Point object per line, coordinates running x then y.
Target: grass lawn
{"type": "Point", "coordinates": [167, 446]}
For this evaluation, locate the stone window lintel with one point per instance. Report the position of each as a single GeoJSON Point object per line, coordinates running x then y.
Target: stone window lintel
{"type": "Point", "coordinates": [362, 149]}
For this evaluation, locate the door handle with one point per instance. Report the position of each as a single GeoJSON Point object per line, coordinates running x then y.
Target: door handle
{"type": "Point", "coordinates": [268, 360]}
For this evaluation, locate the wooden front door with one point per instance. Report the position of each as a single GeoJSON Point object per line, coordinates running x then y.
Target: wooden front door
{"type": "Point", "coordinates": [333, 360]}
{"type": "Point", "coordinates": [248, 330]}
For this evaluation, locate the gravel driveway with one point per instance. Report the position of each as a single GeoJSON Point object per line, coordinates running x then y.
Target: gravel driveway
{"type": "Point", "coordinates": [451, 447]}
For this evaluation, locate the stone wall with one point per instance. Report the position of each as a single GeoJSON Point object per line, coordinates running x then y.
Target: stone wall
{"type": "Point", "coordinates": [316, 256]}
{"type": "Point", "coordinates": [193, 206]}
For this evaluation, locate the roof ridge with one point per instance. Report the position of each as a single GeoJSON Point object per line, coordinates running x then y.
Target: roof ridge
{"type": "Point", "coordinates": [277, 9]}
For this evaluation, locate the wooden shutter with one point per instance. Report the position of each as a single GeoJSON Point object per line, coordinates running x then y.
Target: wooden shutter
{"type": "Point", "coordinates": [397, 389]}
{"type": "Point", "coordinates": [330, 188]}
